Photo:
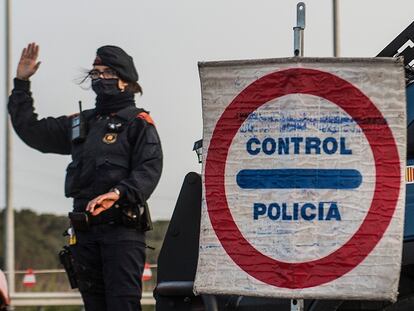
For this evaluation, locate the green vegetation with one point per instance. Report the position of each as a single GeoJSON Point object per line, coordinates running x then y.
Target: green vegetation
{"type": "Point", "coordinates": [39, 238]}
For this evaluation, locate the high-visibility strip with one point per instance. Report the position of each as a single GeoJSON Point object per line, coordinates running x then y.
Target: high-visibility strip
{"type": "Point", "coordinates": [145, 116]}
{"type": "Point", "coordinates": [409, 175]}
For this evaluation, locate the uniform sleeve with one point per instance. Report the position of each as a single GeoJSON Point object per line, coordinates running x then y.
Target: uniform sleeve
{"type": "Point", "coordinates": [48, 135]}
{"type": "Point", "coordinates": [146, 163]}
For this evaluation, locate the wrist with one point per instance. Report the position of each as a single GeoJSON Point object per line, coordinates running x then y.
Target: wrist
{"type": "Point", "coordinates": [22, 78]}
{"type": "Point", "coordinates": [116, 191]}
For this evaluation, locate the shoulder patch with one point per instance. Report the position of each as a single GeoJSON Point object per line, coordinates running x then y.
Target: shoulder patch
{"type": "Point", "coordinates": [145, 116]}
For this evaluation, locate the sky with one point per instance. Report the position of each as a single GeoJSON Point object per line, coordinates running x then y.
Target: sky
{"type": "Point", "coordinates": [167, 38]}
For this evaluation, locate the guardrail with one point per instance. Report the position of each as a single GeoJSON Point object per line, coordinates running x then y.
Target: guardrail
{"type": "Point", "coordinates": [60, 299]}
{"type": "Point", "coordinates": [37, 296]}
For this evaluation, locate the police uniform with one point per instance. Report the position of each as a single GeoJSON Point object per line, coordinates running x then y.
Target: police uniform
{"type": "Point", "coordinates": [122, 150]}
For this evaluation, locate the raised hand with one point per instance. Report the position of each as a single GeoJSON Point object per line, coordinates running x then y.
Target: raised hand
{"type": "Point", "coordinates": [28, 63]}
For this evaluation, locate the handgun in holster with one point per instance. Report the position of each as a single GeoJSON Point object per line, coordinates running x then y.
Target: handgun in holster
{"type": "Point", "coordinates": [79, 221]}
{"type": "Point", "coordinates": [66, 259]}
{"type": "Point", "coordinates": [137, 216]}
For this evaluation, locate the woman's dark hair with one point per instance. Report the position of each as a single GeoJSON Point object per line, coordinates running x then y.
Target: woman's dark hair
{"type": "Point", "coordinates": [134, 87]}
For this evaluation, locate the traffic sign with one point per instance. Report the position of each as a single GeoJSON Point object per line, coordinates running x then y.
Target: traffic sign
{"type": "Point", "coordinates": [29, 278]}
{"type": "Point", "coordinates": [302, 175]}
{"type": "Point", "coordinates": [147, 273]}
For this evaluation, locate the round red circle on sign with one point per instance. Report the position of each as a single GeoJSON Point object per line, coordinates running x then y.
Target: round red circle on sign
{"type": "Point", "coordinates": [387, 186]}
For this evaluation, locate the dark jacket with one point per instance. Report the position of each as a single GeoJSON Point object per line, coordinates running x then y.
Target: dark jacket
{"type": "Point", "coordinates": [132, 163]}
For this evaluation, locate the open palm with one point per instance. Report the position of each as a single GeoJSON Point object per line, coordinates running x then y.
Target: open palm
{"type": "Point", "coordinates": [28, 63]}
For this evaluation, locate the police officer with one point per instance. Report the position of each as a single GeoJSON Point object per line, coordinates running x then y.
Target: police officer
{"type": "Point", "coordinates": [117, 162]}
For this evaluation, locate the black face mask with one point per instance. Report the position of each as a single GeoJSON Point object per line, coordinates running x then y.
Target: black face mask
{"type": "Point", "coordinates": [110, 98]}
{"type": "Point", "coordinates": [105, 87]}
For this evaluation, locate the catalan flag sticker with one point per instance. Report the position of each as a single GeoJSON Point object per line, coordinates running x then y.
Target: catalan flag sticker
{"type": "Point", "coordinates": [409, 175]}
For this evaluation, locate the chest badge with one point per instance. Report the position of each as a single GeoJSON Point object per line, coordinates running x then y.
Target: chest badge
{"type": "Point", "coordinates": [110, 138]}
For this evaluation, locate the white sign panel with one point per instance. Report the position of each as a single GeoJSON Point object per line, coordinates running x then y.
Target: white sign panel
{"type": "Point", "coordinates": [303, 178]}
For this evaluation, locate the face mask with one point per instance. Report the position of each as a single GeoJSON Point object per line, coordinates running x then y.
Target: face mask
{"type": "Point", "coordinates": [105, 86]}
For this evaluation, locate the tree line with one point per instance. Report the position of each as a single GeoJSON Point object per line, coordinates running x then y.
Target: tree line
{"type": "Point", "coordinates": [39, 238]}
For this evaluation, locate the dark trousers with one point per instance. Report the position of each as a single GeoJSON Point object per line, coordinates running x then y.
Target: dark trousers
{"type": "Point", "coordinates": [109, 261]}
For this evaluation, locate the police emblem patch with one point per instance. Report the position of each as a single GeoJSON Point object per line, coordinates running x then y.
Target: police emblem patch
{"type": "Point", "coordinates": [110, 138]}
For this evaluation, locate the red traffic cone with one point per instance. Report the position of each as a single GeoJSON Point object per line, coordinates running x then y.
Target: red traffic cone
{"type": "Point", "coordinates": [147, 275]}
{"type": "Point", "coordinates": [29, 278]}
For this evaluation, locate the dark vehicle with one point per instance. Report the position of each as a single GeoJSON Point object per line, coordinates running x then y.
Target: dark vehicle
{"type": "Point", "coordinates": [177, 261]}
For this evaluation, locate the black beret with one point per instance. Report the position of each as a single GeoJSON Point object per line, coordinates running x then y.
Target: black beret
{"type": "Point", "coordinates": [117, 59]}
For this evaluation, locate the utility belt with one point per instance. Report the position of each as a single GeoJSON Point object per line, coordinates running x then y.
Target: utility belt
{"type": "Point", "coordinates": [132, 216]}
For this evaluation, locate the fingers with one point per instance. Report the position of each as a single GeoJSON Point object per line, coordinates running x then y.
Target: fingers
{"type": "Point", "coordinates": [37, 65]}
{"type": "Point", "coordinates": [28, 50]}
{"type": "Point", "coordinates": [31, 51]}
{"type": "Point", "coordinates": [106, 204]}
{"type": "Point", "coordinates": [111, 196]}
{"type": "Point", "coordinates": [100, 199]}
{"type": "Point", "coordinates": [98, 211]}
{"type": "Point", "coordinates": [23, 53]}
{"type": "Point", "coordinates": [36, 51]}
{"type": "Point", "coordinates": [91, 206]}
{"type": "Point", "coordinates": [100, 203]}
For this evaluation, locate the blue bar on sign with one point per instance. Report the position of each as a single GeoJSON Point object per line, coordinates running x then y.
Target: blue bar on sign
{"type": "Point", "coordinates": [299, 179]}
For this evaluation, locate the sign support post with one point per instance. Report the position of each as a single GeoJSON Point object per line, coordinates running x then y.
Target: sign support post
{"type": "Point", "coordinates": [9, 211]}
{"type": "Point", "coordinates": [297, 304]}
{"type": "Point", "coordinates": [298, 47]}
{"type": "Point", "coordinates": [298, 30]}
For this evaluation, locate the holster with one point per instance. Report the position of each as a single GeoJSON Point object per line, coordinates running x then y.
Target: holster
{"type": "Point", "coordinates": [66, 259]}
{"type": "Point", "coordinates": [137, 216]}
{"type": "Point", "coordinates": [79, 221]}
